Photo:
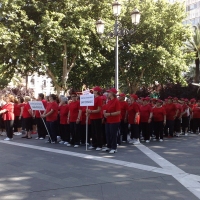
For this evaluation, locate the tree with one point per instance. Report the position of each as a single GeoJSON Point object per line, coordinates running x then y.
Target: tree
{"type": "Point", "coordinates": [193, 45]}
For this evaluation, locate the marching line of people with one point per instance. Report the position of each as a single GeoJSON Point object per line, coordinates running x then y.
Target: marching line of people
{"type": "Point", "coordinates": [112, 119]}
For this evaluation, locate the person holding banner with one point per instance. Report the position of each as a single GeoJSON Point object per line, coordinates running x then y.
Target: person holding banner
{"type": "Point", "coordinates": [74, 119]}
{"type": "Point", "coordinates": [95, 116]}
{"type": "Point", "coordinates": [40, 124]}
{"type": "Point", "coordinates": [51, 115]}
{"type": "Point", "coordinates": [113, 117]}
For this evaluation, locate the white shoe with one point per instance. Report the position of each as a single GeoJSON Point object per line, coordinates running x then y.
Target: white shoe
{"type": "Point", "coordinates": [123, 141]}
{"type": "Point", "coordinates": [3, 134]}
{"type": "Point", "coordinates": [161, 140]}
{"type": "Point", "coordinates": [113, 151]}
{"type": "Point", "coordinates": [58, 137]}
{"type": "Point", "coordinates": [136, 142]}
{"type": "Point", "coordinates": [69, 145]}
{"type": "Point", "coordinates": [76, 146]}
{"type": "Point", "coordinates": [130, 141]}
{"type": "Point", "coordinates": [53, 142]}
{"type": "Point", "coordinates": [98, 149]}
{"type": "Point", "coordinates": [36, 138]}
{"type": "Point", "coordinates": [147, 141]}
{"type": "Point", "coordinates": [91, 147]}
{"type": "Point", "coordinates": [61, 142]}
{"type": "Point", "coordinates": [47, 141]}
{"type": "Point", "coordinates": [186, 134]}
{"type": "Point", "coordinates": [15, 133]}
{"type": "Point", "coordinates": [8, 139]}
{"type": "Point", "coordinates": [41, 138]}
{"type": "Point", "coordinates": [65, 143]}
{"type": "Point", "coordinates": [105, 149]}
{"type": "Point", "coordinates": [154, 139]}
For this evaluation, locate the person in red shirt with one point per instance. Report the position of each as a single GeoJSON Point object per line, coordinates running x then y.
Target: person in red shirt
{"type": "Point", "coordinates": [196, 117]}
{"type": "Point", "coordinates": [42, 132]}
{"type": "Point", "coordinates": [171, 114]}
{"type": "Point", "coordinates": [64, 125]}
{"type": "Point", "coordinates": [74, 120]}
{"type": "Point", "coordinates": [94, 113]}
{"type": "Point", "coordinates": [17, 121]}
{"type": "Point", "coordinates": [104, 100]}
{"type": "Point", "coordinates": [177, 122]}
{"type": "Point", "coordinates": [145, 119]}
{"type": "Point", "coordinates": [124, 115]}
{"type": "Point", "coordinates": [159, 117]}
{"type": "Point", "coordinates": [51, 115]}
{"type": "Point", "coordinates": [113, 118]}
{"type": "Point", "coordinates": [27, 115]}
{"type": "Point", "coordinates": [134, 119]}
{"type": "Point", "coordinates": [8, 116]}
{"type": "Point", "coordinates": [185, 117]}
{"type": "Point", "coordinates": [191, 105]}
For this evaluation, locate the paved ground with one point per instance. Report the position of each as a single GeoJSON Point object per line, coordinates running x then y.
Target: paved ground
{"type": "Point", "coordinates": [162, 171]}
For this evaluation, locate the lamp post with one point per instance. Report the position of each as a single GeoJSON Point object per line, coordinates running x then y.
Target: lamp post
{"type": "Point", "coordinates": [118, 31]}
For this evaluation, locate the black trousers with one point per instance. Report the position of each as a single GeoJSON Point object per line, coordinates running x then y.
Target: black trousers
{"type": "Point", "coordinates": [196, 124]}
{"type": "Point", "coordinates": [124, 130]}
{"type": "Point", "coordinates": [96, 125]}
{"type": "Point", "coordinates": [145, 126]}
{"type": "Point", "coordinates": [52, 128]}
{"type": "Point", "coordinates": [135, 131]}
{"type": "Point", "coordinates": [42, 132]}
{"type": "Point", "coordinates": [192, 125]}
{"type": "Point", "coordinates": [75, 131]}
{"type": "Point", "coordinates": [111, 135]}
{"type": "Point", "coordinates": [169, 125]}
{"type": "Point", "coordinates": [9, 128]}
{"type": "Point", "coordinates": [158, 129]}
{"type": "Point", "coordinates": [17, 123]}
{"type": "Point", "coordinates": [83, 133]}
{"type": "Point", "coordinates": [177, 125]}
{"type": "Point", "coordinates": [65, 132]}
{"type": "Point", "coordinates": [185, 123]}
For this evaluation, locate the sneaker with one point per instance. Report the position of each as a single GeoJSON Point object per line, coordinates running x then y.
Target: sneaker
{"type": "Point", "coordinates": [41, 138]}
{"type": "Point", "coordinates": [161, 140]}
{"type": "Point", "coordinates": [186, 134]}
{"type": "Point", "coordinates": [124, 141]}
{"type": "Point", "coordinates": [3, 134]}
{"type": "Point", "coordinates": [65, 143]}
{"type": "Point", "coordinates": [61, 142]}
{"type": "Point", "coordinates": [53, 142]}
{"type": "Point", "coordinates": [8, 139]}
{"type": "Point", "coordinates": [47, 141]}
{"type": "Point", "coordinates": [76, 146]}
{"type": "Point", "coordinates": [130, 141]}
{"type": "Point", "coordinates": [155, 139]}
{"type": "Point", "coordinates": [147, 141]}
{"type": "Point", "coordinates": [136, 142]}
{"type": "Point", "coordinates": [113, 151]}
{"type": "Point", "coordinates": [91, 147]}
{"type": "Point", "coordinates": [37, 138]}
{"type": "Point", "coordinates": [105, 149]}
{"type": "Point", "coordinates": [69, 145]}
{"type": "Point", "coordinates": [98, 149]}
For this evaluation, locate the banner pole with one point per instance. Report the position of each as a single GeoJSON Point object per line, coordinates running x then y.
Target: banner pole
{"type": "Point", "coordinates": [86, 130]}
{"type": "Point", "coordinates": [45, 126]}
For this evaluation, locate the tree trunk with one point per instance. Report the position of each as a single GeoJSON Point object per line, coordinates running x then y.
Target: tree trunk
{"type": "Point", "coordinates": [65, 76]}
{"type": "Point", "coordinates": [196, 79]}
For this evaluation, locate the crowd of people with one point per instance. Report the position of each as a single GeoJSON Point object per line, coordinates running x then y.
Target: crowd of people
{"type": "Point", "coordinates": [113, 119]}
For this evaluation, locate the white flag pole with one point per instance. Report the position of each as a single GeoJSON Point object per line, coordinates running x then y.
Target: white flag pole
{"type": "Point", "coordinates": [86, 130]}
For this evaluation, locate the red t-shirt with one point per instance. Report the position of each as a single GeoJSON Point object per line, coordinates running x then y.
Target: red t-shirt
{"type": "Point", "coordinates": [54, 115]}
{"type": "Point", "coordinates": [184, 108]}
{"type": "Point", "coordinates": [64, 110]}
{"type": "Point", "coordinates": [145, 111]}
{"type": "Point", "coordinates": [26, 109]}
{"type": "Point", "coordinates": [158, 113]}
{"type": "Point", "coordinates": [132, 110]}
{"type": "Point", "coordinates": [37, 113]}
{"type": "Point", "coordinates": [9, 114]}
{"type": "Point", "coordinates": [124, 108]}
{"type": "Point", "coordinates": [74, 108]}
{"type": "Point", "coordinates": [179, 108]}
{"type": "Point", "coordinates": [17, 109]}
{"type": "Point", "coordinates": [170, 111]}
{"type": "Point", "coordinates": [97, 103]}
{"type": "Point", "coordinates": [196, 112]}
{"type": "Point", "coordinates": [113, 106]}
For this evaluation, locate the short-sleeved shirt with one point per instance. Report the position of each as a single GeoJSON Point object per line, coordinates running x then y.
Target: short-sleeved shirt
{"type": "Point", "coordinates": [145, 111]}
{"type": "Point", "coordinates": [26, 109]}
{"type": "Point", "coordinates": [54, 115]}
{"type": "Point", "coordinates": [132, 110]}
{"type": "Point", "coordinates": [74, 108]}
{"type": "Point", "coordinates": [97, 103]}
{"type": "Point", "coordinates": [179, 108]}
{"type": "Point", "coordinates": [158, 114]}
{"type": "Point", "coordinates": [185, 107]}
{"type": "Point", "coordinates": [17, 109]}
{"type": "Point", "coordinates": [124, 108]}
{"type": "Point", "coordinates": [196, 112]}
{"type": "Point", "coordinates": [170, 111]}
{"type": "Point", "coordinates": [113, 106]}
{"type": "Point", "coordinates": [9, 114]}
{"type": "Point", "coordinates": [37, 113]}
{"type": "Point", "coordinates": [64, 110]}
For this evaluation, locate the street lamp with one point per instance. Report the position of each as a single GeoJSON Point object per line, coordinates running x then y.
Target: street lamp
{"type": "Point", "coordinates": [118, 31]}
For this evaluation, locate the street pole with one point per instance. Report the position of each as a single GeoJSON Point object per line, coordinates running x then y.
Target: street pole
{"type": "Point", "coordinates": [116, 56]}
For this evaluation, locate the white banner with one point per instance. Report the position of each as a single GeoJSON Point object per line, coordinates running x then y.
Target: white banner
{"type": "Point", "coordinates": [87, 100]}
{"type": "Point", "coordinates": [36, 105]}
